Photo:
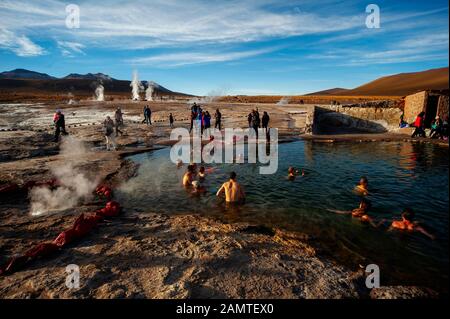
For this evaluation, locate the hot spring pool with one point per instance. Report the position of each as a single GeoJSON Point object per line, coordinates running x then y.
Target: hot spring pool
{"type": "Point", "coordinates": [400, 175]}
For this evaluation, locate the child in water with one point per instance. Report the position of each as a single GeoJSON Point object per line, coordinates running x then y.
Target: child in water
{"type": "Point", "coordinates": [201, 173]}
{"type": "Point", "coordinates": [198, 188]}
{"type": "Point", "coordinates": [362, 186]}
{"type": "Point", "coordinates": [407, 223]}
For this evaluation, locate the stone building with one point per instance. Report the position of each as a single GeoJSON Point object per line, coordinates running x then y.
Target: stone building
{"type": "Point", "coordinates": [432, 102]}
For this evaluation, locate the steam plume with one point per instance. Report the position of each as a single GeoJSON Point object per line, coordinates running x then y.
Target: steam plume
{"type": "Point", "coordinates": [99, 93]}
{"type": "Point", "coordinates": [149, 91]}
{"type": "Point", "coordinates": [136, 86]}
{"type": "Point", "coordinates": [74, 185]}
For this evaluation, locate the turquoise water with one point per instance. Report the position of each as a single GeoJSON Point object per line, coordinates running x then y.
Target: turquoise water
{"type": "Point", "coordinates": [400, 175]}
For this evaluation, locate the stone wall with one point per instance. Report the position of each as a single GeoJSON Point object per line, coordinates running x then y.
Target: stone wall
{"type": "Point", "coordinates": [414, 104]}
{"type": "Point", "coordinates": [442, 109]}
{"type": "Point", "coordinates": [354, 119]}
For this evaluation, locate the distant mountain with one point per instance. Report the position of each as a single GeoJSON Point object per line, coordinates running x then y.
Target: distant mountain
{"type": "Point", "coordinates": [24, 83]}
{"type": "Point", "coordinates": [157, 87]}
{"type": "Point", "coordinates": [334, 91]}
{"type": "Point", "coordinates": [25, 74]}
{"type": "Point", "coordinates": [89, 76]}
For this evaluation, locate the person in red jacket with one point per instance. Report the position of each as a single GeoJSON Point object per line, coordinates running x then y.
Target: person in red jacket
{"type": "Point", "coordinates": [419, 125]}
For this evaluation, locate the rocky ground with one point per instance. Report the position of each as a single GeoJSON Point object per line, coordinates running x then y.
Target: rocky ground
{"type": "Point", "coordinates": [147, 255]}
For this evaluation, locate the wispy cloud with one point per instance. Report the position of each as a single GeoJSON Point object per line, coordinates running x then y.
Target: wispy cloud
{"type": "Point", "coordinates": [69, 49]}
{"type": "Point", "coordinates": [19, 44]}
{"type": "Point", "coordinates": [186, 58]}
{"type": "Point", "coordinates": [173, 22]}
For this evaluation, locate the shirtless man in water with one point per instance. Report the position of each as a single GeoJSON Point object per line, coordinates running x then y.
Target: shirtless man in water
{"type": "Point", "coordinates": [233, 191]}
{"type": "Point", "coordinates": [189, 176]}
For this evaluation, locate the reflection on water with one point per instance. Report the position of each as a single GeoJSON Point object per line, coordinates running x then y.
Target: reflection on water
{"type": "Point", "coordinates": [400, 175]}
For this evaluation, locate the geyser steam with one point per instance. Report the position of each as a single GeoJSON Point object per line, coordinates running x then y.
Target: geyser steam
{"type": "Point", "coordinates": [136, 86]}
{"type": "Point", "coordinates": [284, 101]}
{"type": "Point", "coordinates": [99, 93]}
{"type": "Point", "coordinates": [149, 91]}
{"type": "Point", "coordinates": [74, 185]}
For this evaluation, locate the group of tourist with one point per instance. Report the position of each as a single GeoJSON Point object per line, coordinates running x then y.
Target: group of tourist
{"type": "Point", "coordinates": [406, 222]}
{"type": "Point", "coordinates": [234, 194]}
{"type": "Point", "coordinates": [255, 122]}
{"type": "Point", "coordinates": [193, 179]}
{"type": "Point", "coordinates": [201, 119]}
{"type": "Point", "coordinates": [439, 127]}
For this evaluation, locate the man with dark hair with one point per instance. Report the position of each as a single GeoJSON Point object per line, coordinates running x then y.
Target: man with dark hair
{"type": "Point", "coordinates": [233, 190]}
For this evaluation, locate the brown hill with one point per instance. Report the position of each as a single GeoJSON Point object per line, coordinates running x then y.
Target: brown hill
{"type": "Point", "coordinates": [403, 83]}
{"type": "Point", "coordinates": [333, 91]}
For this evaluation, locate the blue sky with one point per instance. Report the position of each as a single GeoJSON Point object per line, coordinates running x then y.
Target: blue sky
{"type": "Point", "coordinates": [227, 47]}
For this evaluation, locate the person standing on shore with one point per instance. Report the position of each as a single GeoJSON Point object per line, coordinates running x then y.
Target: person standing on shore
{"type": "Point", "coordinates": [258, 117]}
{"type": "Point", "coordinates": [118, 121]}
{"type": "Point", "coordinates": [218, 118]}
{"type": "Point", "coordinates": [145, 115]}
{"type": "Point", "coordinates": [108, 128]}
{"type": "Point", "coordinates": [255, 122]}
{"type": "Point", "coordinates": [249, 118]}
{"type": "Point", "coordinates": [60, 124]}
{"type": "Point", "coordinates": [207, 123]}
{"type": "Point", "coordinates": [265, 121]}
{"type": "Point", "coordinates": [149, 115]}
{"type": "Point", "coordinates": [234, 193]}
{"type": "Point", "coordinates": [419, 125]}
{"type": "Point", "coordinates": [171, 120]}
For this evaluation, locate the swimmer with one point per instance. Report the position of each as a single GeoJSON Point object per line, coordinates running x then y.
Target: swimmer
{"type": "Point", "coordinates": [408, 224]}
{"type": "Point", "coordinates": [179, 163]}
{"type": "Point", "coordinates": [361, 212]}
{"type": "Point", "coordinates": [201, 173]}
{"type": "Point", "coordinates": [292, 173]}
{"type": "Point", "coordinates": [188, 176]}
{"type": "Point", "coordinates": [362, 186]}
{"type": "Point", "coordinates": [234, 193]}
{"type": "Point", "coordinates": [198, 188]}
